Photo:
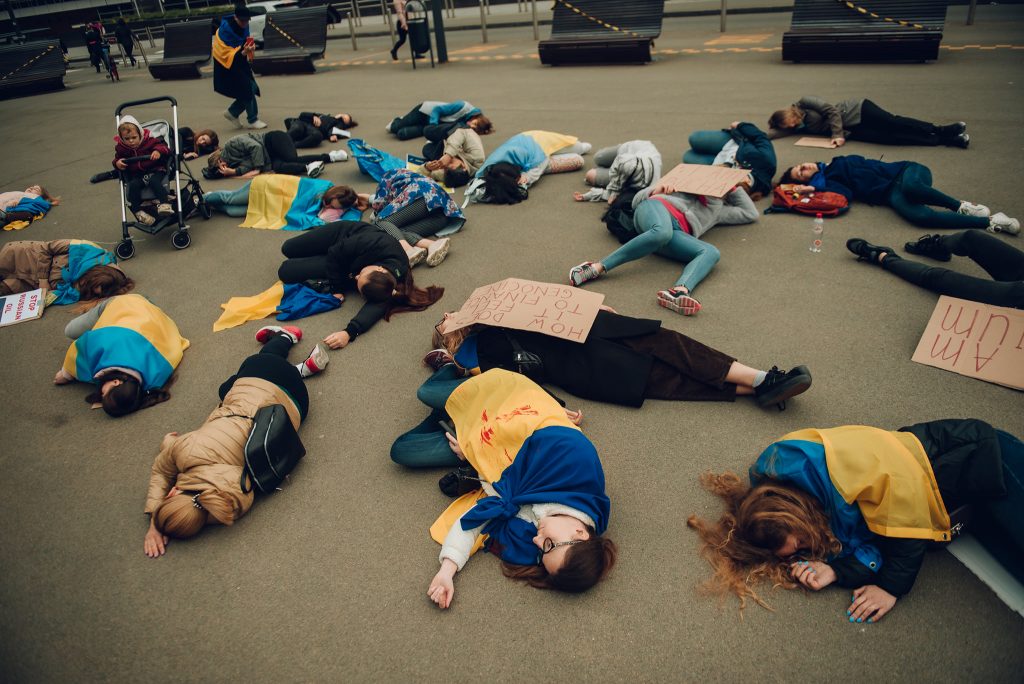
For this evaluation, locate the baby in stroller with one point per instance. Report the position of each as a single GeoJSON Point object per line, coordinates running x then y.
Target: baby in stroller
{"type": "Point", "coordinates": [131, 144]}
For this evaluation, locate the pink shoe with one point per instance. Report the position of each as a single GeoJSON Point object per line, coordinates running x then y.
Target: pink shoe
{"type": "Point", "coordinates": [264, 334]}
{"type": "Point", "coordinates": [678, 301]}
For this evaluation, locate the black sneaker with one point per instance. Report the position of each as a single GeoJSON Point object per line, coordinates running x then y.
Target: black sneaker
{"type": "Point", "coordinates": [462, 480]}
{"type": "Point", "coordinates": [780, 386]}
{"type": "Point", "coordinates": [930, 246]}
{"type": "Point", "coordinates": [866, 251]}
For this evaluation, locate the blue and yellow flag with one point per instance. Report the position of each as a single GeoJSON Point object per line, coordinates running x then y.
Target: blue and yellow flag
{"type": "Point", "coordinates": [82, 256]}
{"type": "Point", "coordinates": [134, 333]}
{"type": "Point", "coordinates": [290, 301]}
{"type": "Point", "coordinates": [279, 201]}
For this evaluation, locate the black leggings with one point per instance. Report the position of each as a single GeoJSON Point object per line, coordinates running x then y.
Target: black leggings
{"type": "Point", "coordinates": [271, 364]}
{"type": "Point", "coordinates": [307, 254]}
{"type": "Point", "coordinates": [879, 126]}
{"type": "Point", "coordinates": [411, 125]}
{"type": "Point", "coordinates": [413, 222]}
{"type": "Point", "coordinates": [1000, 260]}
{"type": "Point", "coordinates": [403, 33]}
{"type": "Point", "coordinates": [283, 156]}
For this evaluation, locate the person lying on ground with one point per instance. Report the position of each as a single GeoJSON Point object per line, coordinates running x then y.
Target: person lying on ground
{"type": "Point", "coordinates": [10, 200]}
{"type": "Point", "coordinates": [632, 165]}
{"type": "Point", "coordinates": [432, 112]}
{"type": "Point", "coordinates": [309, 129]}
{"type": "Point", "coordinates": [455, 152]}
{"type": "Point", "coordinates": [519, 162]}
{"type": "Point", "coordinates": [413, 209]}
{"type": "Point", "coordinates": [742, 145]}
{"type": "Point", "coordinates": [249, 154]}
{"type": "Point", "coordinates": [76, 270]}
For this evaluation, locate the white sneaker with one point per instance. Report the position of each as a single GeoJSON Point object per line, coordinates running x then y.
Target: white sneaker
{"type": "Point", "coordinates": [586, 147]}
{"type": "Point", "coordinates": [969, 209]}
{"type": "Point", "coordinates": [316, 361]}
{"type": "Point", "coordinates": [257, 124]}
{"type": "Point", "coordinates": [338, 155]}
{"type": "Point", "coordinates": [416, 256]}
{"type": "Point", "coordinates": [164, 210]}
{"type": "Point", "coordinates": [1001, 223]}
{"type": "Point", "coordinates": [314, 169]}
{"type": "Point", "coordinates": [232, 118]}
{"type": "Point", "coordinates": [437, 251]}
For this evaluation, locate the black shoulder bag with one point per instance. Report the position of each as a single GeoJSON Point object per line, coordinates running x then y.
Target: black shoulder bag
{"type": "Point", "coordinates": [272, 450]}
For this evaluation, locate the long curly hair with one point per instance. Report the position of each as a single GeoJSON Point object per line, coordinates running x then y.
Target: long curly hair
{"type": "Point", "coordinates": [741, 547]}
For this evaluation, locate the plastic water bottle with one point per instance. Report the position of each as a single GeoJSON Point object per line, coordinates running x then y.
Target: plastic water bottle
{"type": "Point", "coordinates": [818, 232]}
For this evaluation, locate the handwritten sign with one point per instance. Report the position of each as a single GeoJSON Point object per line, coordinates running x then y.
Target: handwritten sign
{"type": "Point", "coordinates": [17, 308]}
{"type": "Point", "coordinates": [977, 340]}
{"type": "Point", "coordinates": [810, 141]}
{"type": "Point", "coordinates": [556, 310]}
{"type": "Point", "coordinates": [711, 181]}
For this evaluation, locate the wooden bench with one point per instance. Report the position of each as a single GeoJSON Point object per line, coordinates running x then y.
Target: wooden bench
{"type": "Point", "coordinates": [31, 67]}
{"type": "Point", "coordinates": [602, 32]}
{"type": "Point", "coordinates": [833, 31]}
{"type": "Point", "coordinates": [187, 46]}
{"type": "Point", "coordinates": [292, 40]}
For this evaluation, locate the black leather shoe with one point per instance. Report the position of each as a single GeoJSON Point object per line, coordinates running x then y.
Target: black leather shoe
{"type": "Point", "coordinates": [460, 481]}
{"type": "Point", "coordinates": [780, 386]}
{"type": "Point", "coordinates": [866, 251]}
{"type": "Point", "coordinates": [930, 246]}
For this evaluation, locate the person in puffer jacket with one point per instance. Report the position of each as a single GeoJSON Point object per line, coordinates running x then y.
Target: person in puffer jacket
{"type": "Point", "coordinates": [132, 140]}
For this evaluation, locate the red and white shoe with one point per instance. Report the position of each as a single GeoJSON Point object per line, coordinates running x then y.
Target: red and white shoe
{"type": "Point", "coordinates": [678, 301]}
{"type": "Point", "coordinates": [264, 334]}
{"type": "Point", "coordinates": [316, 361]}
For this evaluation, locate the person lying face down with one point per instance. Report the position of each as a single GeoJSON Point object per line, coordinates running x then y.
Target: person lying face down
{"type": "Point", "coordinates": [853, 506]}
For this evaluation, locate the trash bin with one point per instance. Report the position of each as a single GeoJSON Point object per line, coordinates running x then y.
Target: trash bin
{"type": "Point", "coordinates": [418, 25]}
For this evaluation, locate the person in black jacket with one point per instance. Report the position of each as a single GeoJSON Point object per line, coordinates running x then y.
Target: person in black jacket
{"type": "Point", "coordinates": [125, 39]}
{"type": "Point", "coordinates": [309, 129]}
{"type": "Point", "coordinates": [750, 148]}
{"type": "Point", "coordinates": [840, 507]}
{"type": "Point", "coordinates": [352, 255]}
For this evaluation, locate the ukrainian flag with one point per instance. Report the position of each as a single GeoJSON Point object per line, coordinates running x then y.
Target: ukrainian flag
{"type": "Point", "coordinates": [82, 256]}
{"type": "Point", "coordinates": [133, 333]}
{"type": "Point", "coordinates": [279, 201]}
{"type": "Point", "coordinates": [290, 301]}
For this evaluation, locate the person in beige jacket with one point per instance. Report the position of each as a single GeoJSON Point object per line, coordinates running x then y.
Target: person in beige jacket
{"type": "Point", "coordinates": [29, 264]}
{"type": "Point", "coordinates": [195, 479]}
{"type": "Point", "coordinates": [461, 157]}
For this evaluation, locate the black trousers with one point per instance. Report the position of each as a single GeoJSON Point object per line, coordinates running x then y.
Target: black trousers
{"type": "Point", "coordinates": [879, 126]}
{"type": "Point", "coordinates": [303, 134]}
{"type": "Point", "coordinates": [411, 125]}
{"type": "Point", "coordinates": [403, 33]}
{"type": "Point", "coordinates": [272, 365]}
{"type": "Point", "coordinates": [307, 254]}
{"type": "Point", "coordinates": [1000, 260]}
{"type": "Point", "coordinates": [154, 180]}
{"type": "Point", "coordinates": [283, 156]}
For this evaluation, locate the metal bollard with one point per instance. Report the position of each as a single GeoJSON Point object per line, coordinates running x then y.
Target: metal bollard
{"type": "Point", "coordinates": [536, 34]}
{"type": "Point", "coordinates": [483, 21]}
{"type": "Point", "coordinates": [970, 12]}
{"type": "Point", "coordinates": [725, 11]}
{"type": "Point", "coordinates": [351, 30]}
{"type": "Point", "coordinates": [149, 34]}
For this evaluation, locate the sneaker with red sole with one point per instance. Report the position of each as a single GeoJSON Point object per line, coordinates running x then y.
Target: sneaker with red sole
{"type": "Point", "coordinates": [264, 334]}
{"type": "Point", "coordinates": [316, 361]}
{"type": "Point", "coordinates": [678, 301]}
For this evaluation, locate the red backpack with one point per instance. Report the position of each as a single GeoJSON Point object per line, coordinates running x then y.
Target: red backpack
{"type": "Point", "coordinates": [828, 204]}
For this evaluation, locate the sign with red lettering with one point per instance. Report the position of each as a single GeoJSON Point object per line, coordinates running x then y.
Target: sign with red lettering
{"type": "Point", "coordinates": [556, 310]}
{"type": "Point", "coordinates": [977, 340]}
{"type": "Point", "coordinates": [24, 306]}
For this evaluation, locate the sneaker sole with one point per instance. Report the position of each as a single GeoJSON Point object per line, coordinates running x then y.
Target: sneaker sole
{"type": "Point", "coordinates": [435, 258]}
{"type": "Point", "coordinates": [787, 390]}
{"type": "Point", "coordinates": [417, 257]}
{"type": "Point", "coordinates": [579, 282]}
{"type": "Point", "coordinates": [684, 305]}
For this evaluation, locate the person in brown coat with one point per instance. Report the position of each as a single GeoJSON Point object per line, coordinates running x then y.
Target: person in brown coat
{"type": "Point", "coordinates": [29, 264]}
{"type": "Point", "coordinates": [195, 479]}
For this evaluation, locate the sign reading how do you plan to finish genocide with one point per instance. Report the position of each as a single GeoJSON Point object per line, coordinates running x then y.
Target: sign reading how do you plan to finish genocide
{"type": "Point", "coordinates": [556, 310]}
{"type": "Point", "coordinates": [977, 340]}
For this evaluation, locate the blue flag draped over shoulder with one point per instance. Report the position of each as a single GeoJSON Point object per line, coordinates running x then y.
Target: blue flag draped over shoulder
{"type": "Point", "coordinates": [555, 465]}
{"type": "Point", "coordinates": [82, 255]}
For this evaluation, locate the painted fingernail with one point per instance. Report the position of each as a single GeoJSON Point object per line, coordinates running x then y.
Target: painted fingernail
{"type": "Point", "coordinates": [852, 620]}
{"type": "Point", "coordinates": [848, 612]}
{"type": "Point", "coordinates": [869, 619]}
{"type": "Point", "coordinates": [860, 619]}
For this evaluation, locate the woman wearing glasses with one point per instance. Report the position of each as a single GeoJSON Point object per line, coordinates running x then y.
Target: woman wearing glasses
{"type": "Point", "coordinates": [540, 505]}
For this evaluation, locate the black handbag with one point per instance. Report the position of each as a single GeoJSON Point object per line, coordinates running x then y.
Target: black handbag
{"type": "Point", "coordinates": [525, 362]}
{"type": "Point", "coordinates": [272, 450]}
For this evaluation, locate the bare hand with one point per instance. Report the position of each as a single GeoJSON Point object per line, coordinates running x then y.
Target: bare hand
{"type": "Point", "coordinates": [155, 155]}
{"type": "Point", "coordinates": [454, 445]}
{"type": "Point", "coordinates": [60, 378]}
{"type": "Point", "coordinates": [612, 197]}
{"type": "Point", "coordinates": [813, 574]}
{"type": "Point", "coordinates": [870, 603]}
{"type": "Point", "coordinates": [333, 138]}
{"type": "Point", "coordinates": [155, 544]}
{"type": "Point", "coordinates": [317, 121]}
{"type": "Point", "coordinates": [605, 307]}
{"type": "Point", "coordinates": [190, 155]}
{"type": "Point", "coordinates": [838, 142]}
{"type": "Point", "coordinates": [338, 340]}
{"type": "Point", "coordinates": [575, 417]}
{"type": "Point", "coordinates": [523, 179]}
{"type": "Point", "coordinates": [734, 124]}
{"type": "Point", "coordinates": [442, 588]}
{"type": "Point", "coordinates": [663, 189]}
{"type": "Point", "coordinates": [121, 164]}
{"type": "Point", "coordinates": [225, 170]}
{"type": "Point", "coordinates": [578, 196]}
{"type": "Point", "coordinates": [432, 165]}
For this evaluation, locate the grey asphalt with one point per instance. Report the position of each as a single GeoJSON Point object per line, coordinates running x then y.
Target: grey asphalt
{"type": "Point", "coordinates": [326, 580]}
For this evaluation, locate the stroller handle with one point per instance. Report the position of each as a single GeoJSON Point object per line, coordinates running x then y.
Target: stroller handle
{"type": "Point", "coordinates": [128, 160]}
{"type": "Point", "coordinates": [135, 103]}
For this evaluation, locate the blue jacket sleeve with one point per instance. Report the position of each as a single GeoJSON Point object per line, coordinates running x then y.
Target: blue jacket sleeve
{"type": "Point", "coordinates": [445, 110]}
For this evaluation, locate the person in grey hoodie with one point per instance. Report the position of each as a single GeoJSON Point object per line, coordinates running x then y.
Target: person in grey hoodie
{"type": "Point", "coordinates": [670, 223]}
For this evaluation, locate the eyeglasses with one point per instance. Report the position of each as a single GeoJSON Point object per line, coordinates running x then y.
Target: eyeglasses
{"type": "Point", "coordinates": [548, 546]}
{"type": "Point", "coordinates": [437, 328]}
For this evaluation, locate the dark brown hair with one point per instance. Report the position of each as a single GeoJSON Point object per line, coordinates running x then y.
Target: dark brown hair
{"type": "Point", "coordinates": [100, 282]}
{"type": "Point", "coordinates": [352, 123]}
{"type": "Point", "coordinates": [128, 397]}
{"type": "Point", "coordinates": [778, 119]}
{"type": "Point", "coordinates": [45, 194]}
{"type": "Point", "coordinates": [483, 124]}
{"type": "Point", "coordinates": [214, 141]}
{"type": "Point", "coordinates": [344, 194]}
{"type": "Point", "coordinates": [400, 295]}
{"type": "Point", "coordinates": [787, 177]}
{"type": "Point", "coordinates": [585, 564]}
{"type": "Point", "coordinates": [456, 178]}
{"type": "Point", "coordinates": [501, 184]}
{"type": "Point", "coordinates": [741, 547]}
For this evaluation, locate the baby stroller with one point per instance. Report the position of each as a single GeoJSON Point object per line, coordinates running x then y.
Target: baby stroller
{"type": "Point", "coordinates": [186, 205]}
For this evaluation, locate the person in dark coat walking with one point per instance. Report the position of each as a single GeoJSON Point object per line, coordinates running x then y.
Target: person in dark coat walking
{"type": "Point", "coordinates": [351, 255]}
{"type": "Point", "coordinates": [233, 49]}
{"type": "Point", "coordinates": [125, 39]}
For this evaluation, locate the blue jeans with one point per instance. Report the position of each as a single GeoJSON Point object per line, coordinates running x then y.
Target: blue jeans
{"type": "Point", "coordinates": [425, 446]}
{"type": "Point", "coordinates": [912, 196]}
{"type": "Point", "coordinates": [248, 105]}
{"type": "Point", "coordinates": [231, 202]}
{"type": "Point", "coordinates": [705, 146]}
{"type": "Point", "coordinates": [660, 234]}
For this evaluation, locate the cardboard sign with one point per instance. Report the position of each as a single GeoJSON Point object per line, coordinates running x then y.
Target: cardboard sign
{"type": "Point", "coordinates": [815, 142]}
{"type": "Point", "coordinates": [556, 310]}
{"type": "Point", "coordinates": [24, 306]}
{"type": "Point", "coordinates": [977, 340]}
{"type": "Point", "coordinates": [710, 181]}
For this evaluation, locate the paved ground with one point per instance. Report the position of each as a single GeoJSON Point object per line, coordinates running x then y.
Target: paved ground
{"type": "Point", "coordinates": [326, 581]}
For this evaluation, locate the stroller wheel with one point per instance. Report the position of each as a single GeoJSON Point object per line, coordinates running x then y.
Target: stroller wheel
{"type": "Point", "coordinates": [181, 239]}
{"type": "Point", "coordinates": [205, 210]}
{"type": "Point", "coordinates": [125, 250]}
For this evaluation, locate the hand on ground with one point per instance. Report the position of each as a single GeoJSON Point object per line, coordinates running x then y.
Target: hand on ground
{"type": "Point", "coordinates": [870, 604]}
{"type": "Point", "coordinates": [155, 544]}
{"type": "Point", "coordinates": [813, 574]}
{"type": "Point", "coordinates": [441, 589]}
{"type": "Point", "coordinates": [338, 340]}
